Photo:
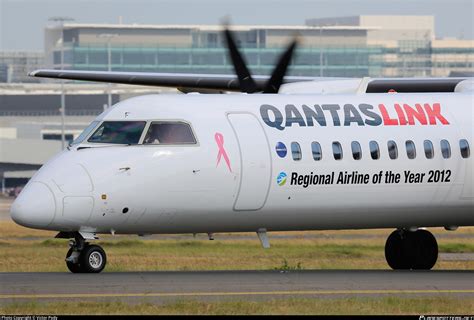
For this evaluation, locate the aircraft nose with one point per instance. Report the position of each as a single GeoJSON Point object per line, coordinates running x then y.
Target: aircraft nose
{"type": "Point", "coordinates": [35, 207]}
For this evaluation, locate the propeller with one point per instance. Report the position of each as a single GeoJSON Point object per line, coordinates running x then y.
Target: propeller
{"type": "Point", "coordinates": [246, 82]}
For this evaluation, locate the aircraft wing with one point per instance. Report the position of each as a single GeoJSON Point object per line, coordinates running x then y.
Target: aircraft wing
{"type": "Point", "coordinates": [204, 83]}
{"type": "Point", "coordinates": [184, 81]}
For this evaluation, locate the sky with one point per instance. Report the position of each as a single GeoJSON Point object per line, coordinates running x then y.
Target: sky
{"type": "Point", "coordinates": [22, 21]}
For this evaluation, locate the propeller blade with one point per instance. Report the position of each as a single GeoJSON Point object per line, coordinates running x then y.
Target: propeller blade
{"type": "Point", "coordinates": [275, 81]}
{"type": "Point", "coordinates": [246, 82]}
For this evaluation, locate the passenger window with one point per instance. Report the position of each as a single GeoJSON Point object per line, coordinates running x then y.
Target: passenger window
{"type": "Point", "coordinates": [464, 145]}
{"type": "Point", "coordinates": [445, 149]}
{"type": "Point", "coordinates": [374, 150]}
{"type": "Point", "coordinates": [392, 149]}
{"type": "Point", "coordinates": [411, 150]}
{"type": "Point", "coordinates": [337, 150]}
{"type": "Point", "coordinates": [429, 152]}
{"type": "Point", "coordinates": [296, 151]}
{"type": "Point", "coordinates": [120, 132]}
{"type": "Point", "coordinates": [317, 152]}
{"type": "Point", "coordinates": [356, 150]}
{"type": "Point", "coordinates": [167, 132]}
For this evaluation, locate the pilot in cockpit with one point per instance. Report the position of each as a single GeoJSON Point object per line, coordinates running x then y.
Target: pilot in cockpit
{"type": "Point", "coordinates": [152, 136]}
{"type": "Point", "coordinates": [169, 133]}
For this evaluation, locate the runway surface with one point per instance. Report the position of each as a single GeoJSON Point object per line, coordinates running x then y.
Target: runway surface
{"type": "Point", "coordinates": [219, 285]}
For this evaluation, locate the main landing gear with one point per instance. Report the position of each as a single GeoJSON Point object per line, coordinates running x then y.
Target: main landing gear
{"type": "Point", "coordinates": [417, 250]}
{"type": "Point", "coordinates": [83, 257]}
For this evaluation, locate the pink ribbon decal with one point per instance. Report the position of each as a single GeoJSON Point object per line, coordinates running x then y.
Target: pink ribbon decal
{"type": "Point", "coordinates": [220, 144]}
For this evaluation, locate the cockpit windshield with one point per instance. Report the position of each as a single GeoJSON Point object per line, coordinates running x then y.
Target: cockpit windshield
{"type": "Point", "coordinates": [120, 132]}
{"type": "Point", "coordinates": [170, 132]}
{"type": "Point", "coordinates": [85, 133]}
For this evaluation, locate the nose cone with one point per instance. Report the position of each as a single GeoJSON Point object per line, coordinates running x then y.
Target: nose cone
{"type": "Point", "coordinates": [35, 207]}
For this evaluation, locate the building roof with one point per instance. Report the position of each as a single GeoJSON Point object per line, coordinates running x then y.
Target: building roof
{"type": "Point", "coordinates": [201, 27]}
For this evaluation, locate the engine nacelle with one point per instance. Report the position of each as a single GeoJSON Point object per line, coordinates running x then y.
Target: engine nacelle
{"type": "Point", "coordinates": [465, 86]}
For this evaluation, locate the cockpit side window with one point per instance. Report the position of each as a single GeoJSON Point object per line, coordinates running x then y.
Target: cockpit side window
{"type": "Point", "coordinates": [119, 132]}
{"type": "Point", "coordinates": [169, 132]}
{"type": "Point", "coordinates": [85, 133]}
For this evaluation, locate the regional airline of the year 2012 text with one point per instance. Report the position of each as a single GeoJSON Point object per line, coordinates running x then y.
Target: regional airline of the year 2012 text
{"type": "Point", "coordinates": [289, 154]}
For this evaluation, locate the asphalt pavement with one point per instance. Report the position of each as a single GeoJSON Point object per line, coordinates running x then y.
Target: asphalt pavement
{"type": "Point", "coordinates": [219, 285]}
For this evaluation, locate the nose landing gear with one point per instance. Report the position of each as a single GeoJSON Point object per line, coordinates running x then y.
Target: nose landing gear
{"type": "Point", "coordinates": [417, 250]}
{"type": "Point", "coordinates": [83, 257]}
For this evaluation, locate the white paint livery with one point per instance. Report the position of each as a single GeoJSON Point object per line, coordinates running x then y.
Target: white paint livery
{"type": "Point", "coordinates": [185, 189]}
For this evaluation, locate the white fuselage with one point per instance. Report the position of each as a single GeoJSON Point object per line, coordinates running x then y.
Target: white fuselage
{"type": "Point", "coordinates": [230, 183]}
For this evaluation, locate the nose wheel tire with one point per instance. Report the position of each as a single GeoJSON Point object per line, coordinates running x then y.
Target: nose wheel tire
{"type": "Point", "coordinates": [91, 259]}
{"type": "Point", "coordinates": [406, 250]}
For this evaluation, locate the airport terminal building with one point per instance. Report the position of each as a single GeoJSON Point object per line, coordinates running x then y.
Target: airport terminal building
{"type": "Point", "coordinates": [375, 46]}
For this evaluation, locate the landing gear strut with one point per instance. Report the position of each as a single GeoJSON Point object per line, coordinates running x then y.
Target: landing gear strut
{"type": "Point", "coordinates": [83, 257]}
{"type": "Point", "coordinates": [417, 250]}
